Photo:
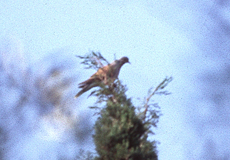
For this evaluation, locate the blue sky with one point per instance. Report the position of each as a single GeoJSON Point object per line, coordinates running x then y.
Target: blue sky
{"type": "Point", "coordinates": [160, 38]}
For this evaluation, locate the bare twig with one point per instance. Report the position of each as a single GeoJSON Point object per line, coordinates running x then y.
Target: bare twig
{"type": "Point", "coordinates": [98, 61]}
{"type": "Point", "coordinates": [161, 86]}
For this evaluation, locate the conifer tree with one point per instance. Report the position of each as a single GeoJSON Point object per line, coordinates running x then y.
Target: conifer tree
{"type": "Point", "coordinates": [122, 130]}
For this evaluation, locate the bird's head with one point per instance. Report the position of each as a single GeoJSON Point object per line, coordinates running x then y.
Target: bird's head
{"type": "Point", "coordinates": [124, 60]}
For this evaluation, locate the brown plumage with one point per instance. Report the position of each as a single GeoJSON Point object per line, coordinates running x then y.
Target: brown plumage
{"type": "Point", "coordinates": [106, 74]}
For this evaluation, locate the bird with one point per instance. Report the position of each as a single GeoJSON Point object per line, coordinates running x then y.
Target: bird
{"type": "Point", "coordinates": [107, 75]}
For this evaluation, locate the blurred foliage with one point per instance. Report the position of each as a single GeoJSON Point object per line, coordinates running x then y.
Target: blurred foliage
{"type": "Point", "coordinates": [38, 95]}
{"type": "Point", "coordinates": [211, 119]}
{"type": "Point", "coordinates": [83, 155]}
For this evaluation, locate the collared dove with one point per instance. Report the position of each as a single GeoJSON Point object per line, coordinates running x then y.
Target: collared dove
{"type": "Point", "coordinates": [107, 74]}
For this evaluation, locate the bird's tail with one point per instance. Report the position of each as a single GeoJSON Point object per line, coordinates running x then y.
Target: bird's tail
{"type": "Point", "coordinates": [79, 93]}
{"type": "Point", "coordinates": [86, 88]}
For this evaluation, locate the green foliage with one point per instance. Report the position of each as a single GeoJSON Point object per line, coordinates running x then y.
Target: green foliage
{"type": "Point", "coordinates": [122, 130]}
{"type": "Point", "coordinates": [119, 132]}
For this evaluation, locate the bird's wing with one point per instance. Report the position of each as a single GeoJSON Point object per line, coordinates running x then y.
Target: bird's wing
{"type": "Point", "coordinates": [101, 75]}
{"type": "Point", "coordinates": [102, 71]}
{"type": "Point", "coordinates": [106, 71]}
{"type": "Point", "coordinates": [96, 77]}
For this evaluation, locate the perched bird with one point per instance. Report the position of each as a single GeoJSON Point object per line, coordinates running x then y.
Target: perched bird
{"type": "Point", "coordinates": [106, 74]}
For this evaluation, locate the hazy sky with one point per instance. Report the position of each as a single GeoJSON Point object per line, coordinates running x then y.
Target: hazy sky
{"type": "Point", "coordinates": [160, 38]}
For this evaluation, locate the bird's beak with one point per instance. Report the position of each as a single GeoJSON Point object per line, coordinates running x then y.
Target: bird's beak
{"type": "Point", "coordinates": [129, 62]}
